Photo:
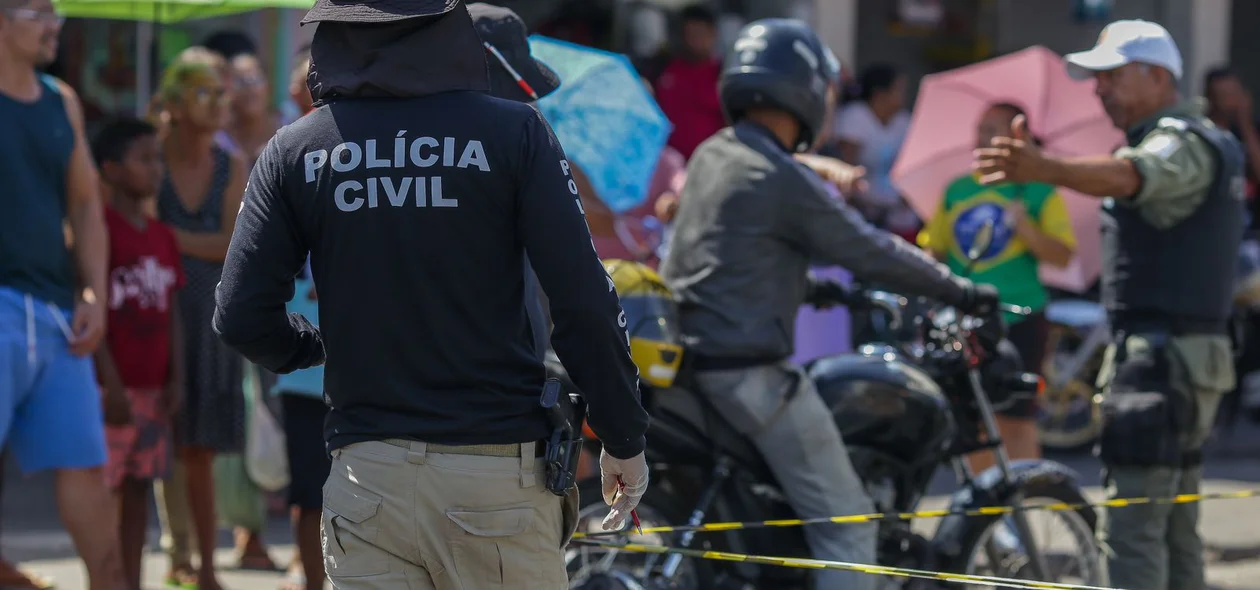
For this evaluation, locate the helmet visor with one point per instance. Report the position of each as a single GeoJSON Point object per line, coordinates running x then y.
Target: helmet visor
{"type": "Point", "coordinates": [651, 317]}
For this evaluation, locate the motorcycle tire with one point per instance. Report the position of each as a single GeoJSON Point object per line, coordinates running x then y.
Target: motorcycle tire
{"type": "Point", "coordinates": [1070, 418]}
{"type": "Point", "coordinates": [1054, 489]}
{"type": "Point", "coordinates": [658, 500]}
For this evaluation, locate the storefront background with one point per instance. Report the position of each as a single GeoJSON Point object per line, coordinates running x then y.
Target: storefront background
{"type": "Point", "coordinates": [99, 58]}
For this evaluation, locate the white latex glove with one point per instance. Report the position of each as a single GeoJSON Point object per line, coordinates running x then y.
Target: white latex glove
{"type": "Point", "coordinates": [614, 472]}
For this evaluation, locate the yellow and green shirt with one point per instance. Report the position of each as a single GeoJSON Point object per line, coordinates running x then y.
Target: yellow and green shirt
{"type": "Point", "coordinates": [1007, 264]}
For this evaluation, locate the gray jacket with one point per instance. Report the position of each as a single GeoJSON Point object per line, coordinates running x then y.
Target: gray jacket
{"type": "Point", "coordinates": [751, 221]}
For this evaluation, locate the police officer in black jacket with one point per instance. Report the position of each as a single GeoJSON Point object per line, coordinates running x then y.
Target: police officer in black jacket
{"type": "Point", "coordinates": [417, 195]}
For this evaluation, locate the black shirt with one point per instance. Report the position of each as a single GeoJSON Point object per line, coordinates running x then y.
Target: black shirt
{"type": "Point", "coordinates": [416, 213]}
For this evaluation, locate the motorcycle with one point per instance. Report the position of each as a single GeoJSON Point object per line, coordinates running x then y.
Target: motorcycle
{"type": "Point", "coordinates": [903, 409]}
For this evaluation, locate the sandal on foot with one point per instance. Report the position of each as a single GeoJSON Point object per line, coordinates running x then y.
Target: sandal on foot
{"type": "Point", "coordinates": [19, 578]}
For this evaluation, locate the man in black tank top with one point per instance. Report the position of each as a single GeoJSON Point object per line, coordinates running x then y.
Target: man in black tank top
{"type": "Point", "coordinates": [1172, 222]}
{"type": "Point", "coordinates": [52, 298]}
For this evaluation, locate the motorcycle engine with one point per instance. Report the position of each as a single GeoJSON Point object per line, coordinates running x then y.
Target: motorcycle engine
{"type": "Point", "coordinates": [903, 548]}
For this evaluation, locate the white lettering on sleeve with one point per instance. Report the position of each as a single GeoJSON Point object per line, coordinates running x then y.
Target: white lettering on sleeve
{"type": "Point", "coordinates": [1162, 146]}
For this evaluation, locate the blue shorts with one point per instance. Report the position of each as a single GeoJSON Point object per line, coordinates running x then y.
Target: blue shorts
{"type": "Point", "coordinates": [50, 405]}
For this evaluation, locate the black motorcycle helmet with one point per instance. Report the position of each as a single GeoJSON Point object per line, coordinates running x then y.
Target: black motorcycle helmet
{"type": "Point", "coordinates": [782, 64]}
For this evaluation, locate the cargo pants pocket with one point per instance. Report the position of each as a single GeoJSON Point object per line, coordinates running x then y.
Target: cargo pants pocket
{"type": "Point", "coordinates": [1202, 368]}
{"type": "Point", "coordinates": [348, 531]}
{"type": "Point", "coordinates": [490, 547]}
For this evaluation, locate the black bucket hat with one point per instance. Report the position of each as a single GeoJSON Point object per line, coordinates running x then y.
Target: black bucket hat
{"type": "Point", "coordinates": [369, 12]}
{"type": "Point", "coordinates": [514, 73]}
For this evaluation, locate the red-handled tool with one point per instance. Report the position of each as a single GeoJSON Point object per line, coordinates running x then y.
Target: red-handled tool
{"type": "Point", "coordinates": [634, 514]}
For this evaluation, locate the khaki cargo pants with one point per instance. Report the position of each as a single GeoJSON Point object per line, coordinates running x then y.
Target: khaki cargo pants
{"type": "Point", "coordinates": [415, 516]}
{"type": "Point", "coordinates": [1156, 546]}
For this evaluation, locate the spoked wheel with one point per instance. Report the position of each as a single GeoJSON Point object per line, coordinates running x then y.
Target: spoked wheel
{"type": "Point", "coordinates": [1065, 540]}
{"type": "Point", "coordinates": [1069, 418]}
{"type": "Point", "coordinates": [599, 568]}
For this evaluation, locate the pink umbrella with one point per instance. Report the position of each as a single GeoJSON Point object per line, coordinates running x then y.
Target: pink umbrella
{"type": "Point", "coordinates": [1063, 113]}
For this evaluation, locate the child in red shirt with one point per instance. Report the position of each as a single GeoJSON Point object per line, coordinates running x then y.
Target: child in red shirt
{"type": "Point", "coordinates": [139, 363]}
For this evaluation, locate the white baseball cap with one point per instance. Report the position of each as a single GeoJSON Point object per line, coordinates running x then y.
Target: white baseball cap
{"type": "Point", "coordinates": [1124, 42]}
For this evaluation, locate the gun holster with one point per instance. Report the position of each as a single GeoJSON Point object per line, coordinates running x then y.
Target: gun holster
{"type": "Point", "coordinates": [1144, 417]}
{"type": "Point", "coordinates": [564, 446]}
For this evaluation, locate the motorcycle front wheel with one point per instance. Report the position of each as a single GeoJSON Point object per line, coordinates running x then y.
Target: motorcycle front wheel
{"type": "Point", "coordinates": [590, 568]}
{"type": "Point", "coordinates": [992, 547]}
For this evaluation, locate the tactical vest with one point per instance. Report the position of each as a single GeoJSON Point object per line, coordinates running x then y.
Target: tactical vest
{"type": "Point", "coordinates": [1183, 275]}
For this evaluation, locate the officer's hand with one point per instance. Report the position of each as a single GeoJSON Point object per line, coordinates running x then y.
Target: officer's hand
{"type": "Point", "coordinates": [624, 483]}
{"type": "Point", "coordinates": [980, 300]}
{"type": "Point", "coordinates": [1011, 159]}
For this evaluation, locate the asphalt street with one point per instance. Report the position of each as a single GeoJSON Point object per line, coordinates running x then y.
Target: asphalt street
{"type": "Point", "coordinates": [30, 531]}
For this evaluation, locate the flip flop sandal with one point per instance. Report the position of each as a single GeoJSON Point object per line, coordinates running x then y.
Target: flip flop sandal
{"type": "Point", "coordinates": [29, 581]}
{"type": "Point", "coordinates": [181, 580]}
{"type": "Point", "coordinates": [256, 563]}
{"type": "Point", "coordinates": [293, 580]}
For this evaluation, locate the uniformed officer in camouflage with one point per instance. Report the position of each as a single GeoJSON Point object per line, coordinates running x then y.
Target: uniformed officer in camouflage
{"type": "Point", "coordinates": [1172, 221]}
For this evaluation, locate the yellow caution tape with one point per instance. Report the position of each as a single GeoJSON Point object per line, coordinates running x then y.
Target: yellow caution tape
{"type": "Point", "coordinates": [985, 511]}
{"type": "Point", "coordinates": [794, 562]}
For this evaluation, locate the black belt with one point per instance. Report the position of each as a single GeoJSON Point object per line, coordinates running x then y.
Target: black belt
{"type": "Point", "coordinates": [1140, 322]}
{"type": "Point", "coordinates": [731, 363]}
{"type": "Point", "coordinates": [503, 450]}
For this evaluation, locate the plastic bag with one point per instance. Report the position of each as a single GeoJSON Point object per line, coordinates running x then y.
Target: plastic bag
{"type": "Point", "coordinates": [237, 499]}
{"type": "Point", "coordinates": [266, 460]}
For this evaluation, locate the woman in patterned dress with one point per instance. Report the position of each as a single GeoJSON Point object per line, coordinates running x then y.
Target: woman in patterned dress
{"type": "Point", "coordinates": [199, 199]}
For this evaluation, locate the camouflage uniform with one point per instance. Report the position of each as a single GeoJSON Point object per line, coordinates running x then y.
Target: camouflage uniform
{"type": "Point", "coordinates": [1157, 546]}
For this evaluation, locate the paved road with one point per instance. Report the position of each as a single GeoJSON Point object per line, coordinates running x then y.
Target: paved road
{"type": "Point", "coordinates": [31, 532]}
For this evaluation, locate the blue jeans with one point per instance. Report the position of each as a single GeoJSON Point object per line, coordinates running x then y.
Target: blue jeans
{"type": "Point", "coordinates": [50, 405]}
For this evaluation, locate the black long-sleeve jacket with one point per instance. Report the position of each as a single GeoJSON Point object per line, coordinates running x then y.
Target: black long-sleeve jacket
{"type": "Point", "coordinates": [417, 196]}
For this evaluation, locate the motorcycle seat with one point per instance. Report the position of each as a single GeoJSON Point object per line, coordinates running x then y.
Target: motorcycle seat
{"type": "Point", "coordinates": [682, 414]}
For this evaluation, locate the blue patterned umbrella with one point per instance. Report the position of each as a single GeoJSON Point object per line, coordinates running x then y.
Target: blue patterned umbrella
{"type": "Point", "coordinates": [605, 118]}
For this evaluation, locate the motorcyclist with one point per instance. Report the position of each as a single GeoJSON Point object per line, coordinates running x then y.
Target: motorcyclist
{"type": "Point", "coordinates": [751, 221]}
